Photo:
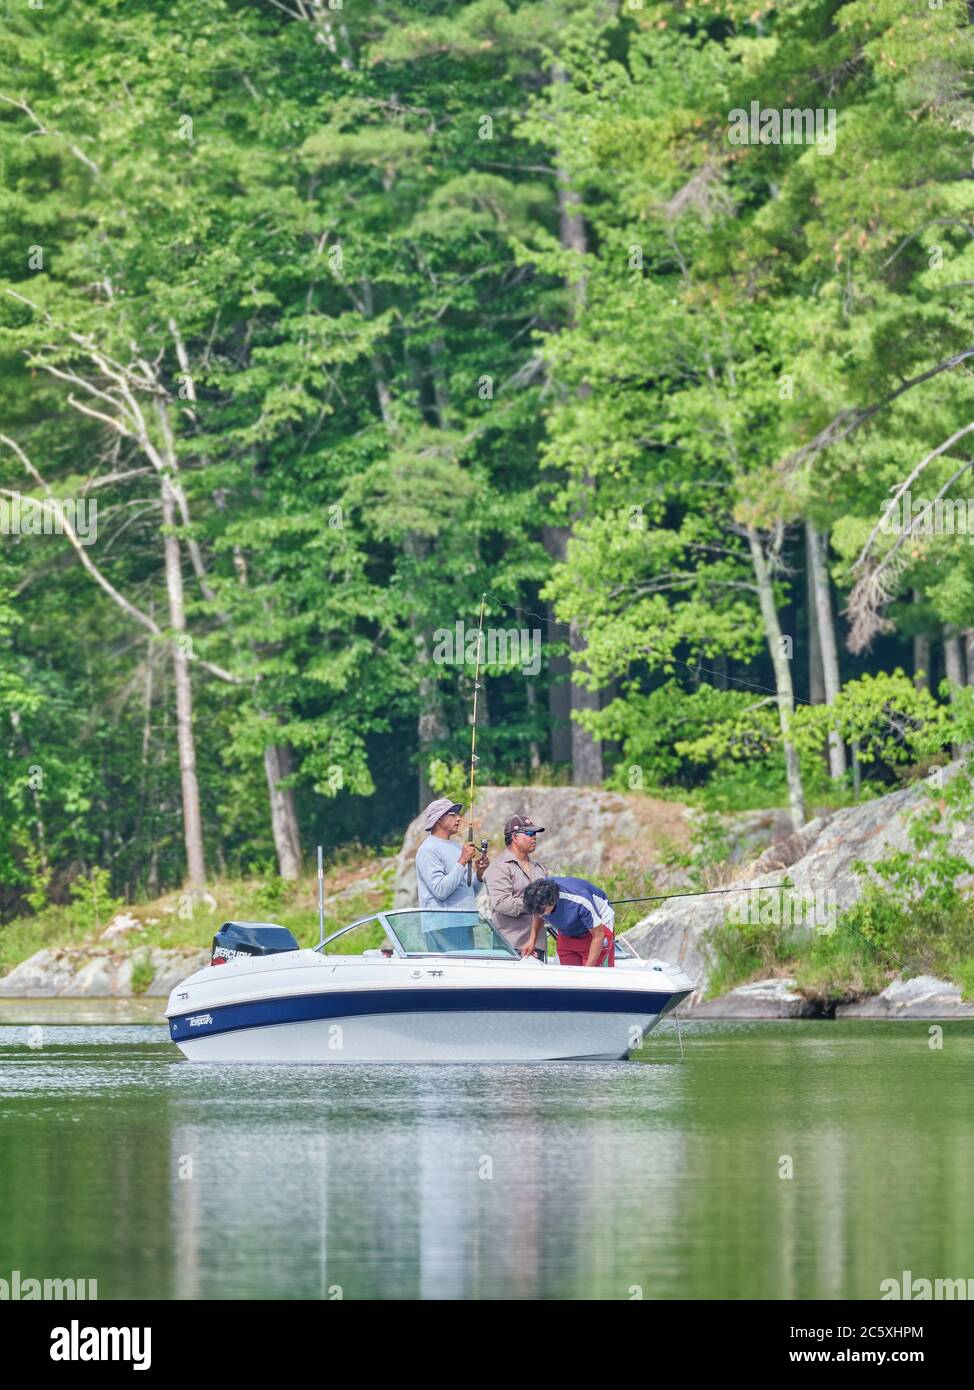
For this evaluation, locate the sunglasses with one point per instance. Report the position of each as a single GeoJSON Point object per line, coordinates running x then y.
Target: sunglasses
{"type": "Point", "coordinates": [532, 833]}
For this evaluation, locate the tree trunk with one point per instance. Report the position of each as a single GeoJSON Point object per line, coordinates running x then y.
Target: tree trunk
{"type": "Point", "coordinates": [534, 751]}
{"type": "Point", "coordinates": [146, 733]}
{"type": "Point", "coordinates": [921, 655]}
{"type": "Point", "coordinates": [953, 659]}
{"type": "Point", "coordinates": [856, 771]}
{"type": "Point", "coordinates": [284, 815]}
{"type": "Point", "coordinates": [586, 751]}
{"type": "Point", "coordinates": [431, 726]}
{"type": "Point", "coordinates": [192, 819]}
{"type": "Point", "coordinates": [969, 651]}
{"type": "Point", "coordinates": [569, 741]}
{"type": "Point", "coordinates": [817, 547]}
{"type": "Point", "coordinates": [559, 695]}
{"type": "Point", "coordinates": [782, 676]}
{"type": "Point", "coordinates": [816, 675]}
{"type": "Point", "coordinates": [555, 539]}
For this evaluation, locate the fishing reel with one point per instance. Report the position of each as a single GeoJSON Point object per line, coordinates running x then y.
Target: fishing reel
{"type": "Point", "coordinates": [483, 851]}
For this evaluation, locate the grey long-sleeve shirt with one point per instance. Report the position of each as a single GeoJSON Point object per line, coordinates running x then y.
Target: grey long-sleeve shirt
{"type": "Point", "coordinates": [441, 879]}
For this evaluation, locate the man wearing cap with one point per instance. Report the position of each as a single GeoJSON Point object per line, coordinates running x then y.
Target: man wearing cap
{"type": "Point", "coordinates": [507, 878]}
{"type": "Point", "coordinates": [441, 870]}
{"type": "Point", "coordinates": [582, 915]}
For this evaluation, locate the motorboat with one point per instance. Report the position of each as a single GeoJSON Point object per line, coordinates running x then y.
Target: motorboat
{"type": "Point", "coordinates": [441, 986]}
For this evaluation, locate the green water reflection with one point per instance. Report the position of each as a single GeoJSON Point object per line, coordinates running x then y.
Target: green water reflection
{"type": "Point", "coordinates": [560, 1181]}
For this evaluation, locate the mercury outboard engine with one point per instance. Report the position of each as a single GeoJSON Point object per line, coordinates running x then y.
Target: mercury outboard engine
{"type": "Point", "coordinates": [235, 939]}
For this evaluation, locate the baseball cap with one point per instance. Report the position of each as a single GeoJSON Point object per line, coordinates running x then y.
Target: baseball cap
{"type": "Point", "coordinates": [523, 825]}
{"type": "Point", "coordinates": [439, 808]}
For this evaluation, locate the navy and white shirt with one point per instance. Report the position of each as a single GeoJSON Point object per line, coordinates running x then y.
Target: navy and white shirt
{"type": "Point", "coordinates": [580, 908]}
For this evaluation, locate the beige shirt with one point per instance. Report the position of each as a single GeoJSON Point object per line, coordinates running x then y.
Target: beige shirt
{"type": "Point", "coordinates": [506, 879]}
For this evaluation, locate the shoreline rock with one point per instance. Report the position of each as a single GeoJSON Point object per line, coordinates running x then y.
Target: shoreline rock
{"type": "Point", "coordinates": [760, 999]}
{"type": "Point", "coordinates": [76, 972]}
{"type": "Point", "coordinates": [817, 862]}
{"type": "Point", "coordinates": [922, 997]}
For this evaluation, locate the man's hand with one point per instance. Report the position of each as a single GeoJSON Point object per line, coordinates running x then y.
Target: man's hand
{"type": "Point", "coordinates": [598, 941]}
{"type": "Point", "coordinates": [482, 864]}
{"type": "Point", "coordinates": [532, 943]}
{"type": "Point", "coordinates": [467, 852]}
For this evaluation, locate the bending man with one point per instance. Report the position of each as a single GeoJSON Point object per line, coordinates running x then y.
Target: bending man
{"type": "Point", "coordinates": [580, 912]}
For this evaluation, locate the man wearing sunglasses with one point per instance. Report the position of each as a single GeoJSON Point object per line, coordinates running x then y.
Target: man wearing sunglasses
{"type": "Point", "coordinates": [507, 878]}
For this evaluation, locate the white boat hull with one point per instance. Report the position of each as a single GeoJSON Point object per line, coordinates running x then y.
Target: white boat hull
{"type": "Point", "coordinates": [302, 1007]}
{"type": "Point", "coordinates": [471, 1036]}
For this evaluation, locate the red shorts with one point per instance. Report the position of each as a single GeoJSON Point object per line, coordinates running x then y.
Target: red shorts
{"type": "Point", "coordinates": [573, 950]}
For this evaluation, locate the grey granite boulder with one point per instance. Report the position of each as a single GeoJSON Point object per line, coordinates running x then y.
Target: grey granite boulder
{"type": "Point", "coordinates": [44, 974]}
{"type": "Point", "coordinates": [173, 966]}
{"type": "Point", "coordinates": [587, 831]}
{"type": "Point", "coordinates": [759, 999]}
{"type": "Point", "coordinates": [922, 997]}
{"type": "Point", "coordinates": [103, 976]}
{"type": "Point", "coordinates": [80, 973]}
{"type": "Point", "coordinates": [818, 861]}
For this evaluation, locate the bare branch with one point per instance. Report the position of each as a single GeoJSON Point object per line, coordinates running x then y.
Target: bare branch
{"type": "Point", "coordinates": [877, 585]}
{"type": "Point", "coordinates": [88, 564]}
{"type": "Point", "coordinates": [108, 420]}
{"type": "Point", "coordinates": [42, 129]}
{"type": "Point", "coordinates": [135, 613]}
{"type": "Point", "coordinates": [849, 420]}
{"type": "Point", "coordinates": [934, 453]}
{"type": "Point", "coordinates": [934, 222]}
{"type": "Point", "coordinates": [110, 478]}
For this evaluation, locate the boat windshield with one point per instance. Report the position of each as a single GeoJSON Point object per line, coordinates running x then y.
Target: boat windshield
{"type": "Point", "coordinates": [447, 933]}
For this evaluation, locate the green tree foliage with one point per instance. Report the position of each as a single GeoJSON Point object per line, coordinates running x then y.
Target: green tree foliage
{"type": "Point", "coordinates": [339, 314]}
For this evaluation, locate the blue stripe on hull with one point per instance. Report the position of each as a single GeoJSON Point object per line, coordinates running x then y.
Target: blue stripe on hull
{"type": "Point", "coordinates": [304, 1008]}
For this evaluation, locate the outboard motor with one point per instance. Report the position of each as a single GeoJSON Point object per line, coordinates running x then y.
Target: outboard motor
{"type": "Point", "coordinates": [235, 939]}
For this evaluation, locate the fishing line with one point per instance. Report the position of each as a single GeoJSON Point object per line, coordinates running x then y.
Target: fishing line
{"type": "Point", "coordinates": [761, 888]}
{"type": "Point", "coordinates": [703, 893]}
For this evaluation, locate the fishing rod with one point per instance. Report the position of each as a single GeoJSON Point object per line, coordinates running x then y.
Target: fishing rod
{"type": "Point", "coordinates": [473, 734]}
{"type": "Point", "coordinates": [702, 893]}
{"type": "Point", "coordinates": [748, 888]}
{"type": "Point", "coordinates": [665, 897]}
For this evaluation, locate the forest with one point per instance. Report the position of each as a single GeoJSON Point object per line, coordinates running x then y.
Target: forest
{"type": "Point", "coordinates": [643, 328]}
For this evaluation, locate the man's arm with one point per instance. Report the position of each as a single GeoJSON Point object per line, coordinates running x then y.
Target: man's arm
{"type": "Point", "coordinates": [537, 924]}
{"type": "Point", "coordinates": [440, 880]}
{"type": "Point", "coordinates": [598, 941]}
{"type": "Point", "coordinates": [605, 910]}
{"type": "Point", "coordinates": [606, 923]}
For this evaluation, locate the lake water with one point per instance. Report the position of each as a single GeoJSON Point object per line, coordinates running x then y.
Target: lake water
{"type": "Point", "coordinates": [665, 1178]}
